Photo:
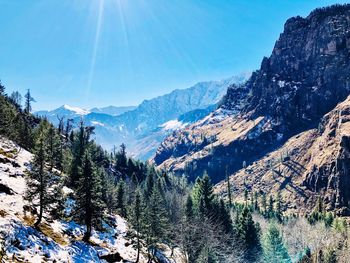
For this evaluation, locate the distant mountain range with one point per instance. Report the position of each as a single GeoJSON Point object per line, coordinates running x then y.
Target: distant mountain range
{"type": "Point", "coordinates": [142, 128]}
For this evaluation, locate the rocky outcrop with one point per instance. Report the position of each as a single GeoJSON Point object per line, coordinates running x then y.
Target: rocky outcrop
{"type": "Point", "coordinates": [312, 164]}
{"type": "Point", "coordinates": [305, 77]}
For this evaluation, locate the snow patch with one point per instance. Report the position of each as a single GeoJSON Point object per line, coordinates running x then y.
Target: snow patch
{"type": "Point", "coordinates": [76, 109]}
{"type": "Point", "coordinates": [97, 123]}
{"type": "Point", "coordinates": [281, 83]}
{"type": "Point", "coordinates": [172, 125]}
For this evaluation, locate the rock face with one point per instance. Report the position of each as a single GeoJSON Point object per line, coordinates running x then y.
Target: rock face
{"type": "Point", "coordinates": [306, 76]}
{"type": "Point", "coordinates": [312, 164]}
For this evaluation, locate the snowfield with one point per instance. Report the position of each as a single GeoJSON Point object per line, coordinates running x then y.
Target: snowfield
{"type": "Point", "coordinates": [57, 241]}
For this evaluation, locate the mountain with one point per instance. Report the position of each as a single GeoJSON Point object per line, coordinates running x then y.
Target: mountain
{"type": "Point", "coordinates": [113, 110]}
{"type": "Point", "coordinates": [144, 127]}
{"type": "Point", "coordinates": [316, 161]}
{"type": "Point", "coordinates": [305, 77]}
{"type": "Point", "coordinates": [66, 111]}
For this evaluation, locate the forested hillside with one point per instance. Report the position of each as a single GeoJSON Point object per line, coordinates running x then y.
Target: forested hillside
{"type": "Point", "coordinates": [279, 143]}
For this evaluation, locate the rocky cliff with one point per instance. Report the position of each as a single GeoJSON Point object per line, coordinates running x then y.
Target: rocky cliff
{"type": "Point", "coordinates": [312, 164]}
{"type": "Point", "coordinates": [305, 77]}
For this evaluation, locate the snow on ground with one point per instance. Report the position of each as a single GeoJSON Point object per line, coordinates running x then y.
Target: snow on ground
{"type": "Point", "coordinates": [19, 242]}
{"type": "Point", "coordinates": [172, 125]}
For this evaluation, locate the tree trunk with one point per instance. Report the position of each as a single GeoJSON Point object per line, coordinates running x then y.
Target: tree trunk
{"type": "Point", "coordinates": [41, 201]}
{"type": "Point", "coordinates": [138, 249]}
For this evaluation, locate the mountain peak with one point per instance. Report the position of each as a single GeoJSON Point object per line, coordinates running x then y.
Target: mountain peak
{"type": "Point", "coordinates": [77, 110]}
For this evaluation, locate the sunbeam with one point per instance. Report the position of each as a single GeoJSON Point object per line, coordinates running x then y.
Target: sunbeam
{"type": "Point", "coordinates": [95, 47]}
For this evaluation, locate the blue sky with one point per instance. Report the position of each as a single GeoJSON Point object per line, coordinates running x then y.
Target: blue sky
{"type": "Point", "coordinates": [119, 52]}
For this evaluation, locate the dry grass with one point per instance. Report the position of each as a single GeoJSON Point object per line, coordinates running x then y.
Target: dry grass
{"type": "Point", "coordinates": [46, 229]}
{"type": "Point", "coordinates": [3, 213]}
{"type": "Point", "coordinates": [8, 154]}
{"type": "Point", "coordinates": [29, 220]}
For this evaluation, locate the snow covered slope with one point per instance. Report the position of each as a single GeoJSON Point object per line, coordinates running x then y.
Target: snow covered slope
{"type": "Point", "coordinates": [55, 240]}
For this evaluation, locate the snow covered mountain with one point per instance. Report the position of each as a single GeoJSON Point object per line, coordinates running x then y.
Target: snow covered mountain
{"type": "Point", "coordinates": [66, 111]}
{"type": "Point", "coordinates": [142, 128]}
{"type": "Point", "coordinates": [113, 110]}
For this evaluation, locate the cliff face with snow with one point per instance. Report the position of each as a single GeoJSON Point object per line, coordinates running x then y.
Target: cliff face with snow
{"type": "Point", "coordinates": [306, 76]}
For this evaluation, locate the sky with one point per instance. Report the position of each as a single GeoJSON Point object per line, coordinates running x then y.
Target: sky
{"type": "Point", "coordinates": [91, 53]}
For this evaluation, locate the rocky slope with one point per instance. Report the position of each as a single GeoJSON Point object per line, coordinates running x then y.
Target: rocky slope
{"type": "Point", "coordinates": [307, 74]}
{"type": "Point", "coordinates": [312, 164]}
{"type": "Point", "coordinates": [55, 240]}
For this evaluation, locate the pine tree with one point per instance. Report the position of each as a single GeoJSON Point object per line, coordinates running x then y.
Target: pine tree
{"type": "Point", "coordinates": [246, 196]}
{"type": "Point", "coordinates": [264, 203]}
{"type": "Point", "coordinates": [156, 222]}
{"type": "Point", "coordinates": [54, 149]}
{"type": "Point", "coordinates": [273, 248]}
{"type": "Point", "coordinates": [206, 195]}
{"type": "Point", "coordinates": [136, 220]}
{"type": "Point", "coordinates": [16, 98]}
{"type": "Point", "coordinates": [28, 102]}
{"type": "Point", "coordinates": [278, 212]}
{"type": "Point", "coordinates": [224, 218]}
{"type": "Point", "coordinates": [80, 143]}
{"type": "Point", "coordinates": [90, 205]}
{"type": "Point", "coordinates": [39, 179]}
{"type": "Point", "coordinates": [189, 208]}
{"type": "Point", "coordinates": [121, 206]}
{"type": "Point", "coordinates": [256, 203]}
{"type": "Point", "coordinates": [229, 194]}
{"type": "Point", "coordinates": [248, 232]}
{"type": "Point", "coordinates": [270, 212]}
{"type": "Point", "coordinates": [109, 193]}
{"type": "Point", "coordinates": [149, 184]}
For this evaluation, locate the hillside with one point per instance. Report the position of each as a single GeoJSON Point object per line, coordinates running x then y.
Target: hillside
{"type": "Point", "coordinates": [55, 240]}
{"type": "Point", "coordinates": [305, 77]}
{"type": "Point", "coordinates": [312, 164]}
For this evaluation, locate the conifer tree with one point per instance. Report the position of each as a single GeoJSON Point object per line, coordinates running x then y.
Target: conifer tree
{"type": "Point", "coordinates": [54, 149]}
{"type": "Point", "coordinates": [229, 194]}
{"type": "Point", "coordinates": [270, 211]}
{"type": "Point", "coordinates": [248, 232]}
{"type": "Point", "coordinates": [156, 222]}
{"type": "Point", "coordinates": [273, 248]}
{"type": "Point", "coordinates": [189, 208]}
{"type": "Point", "coordinates": [121, 203]}
{"type": "Point", "coordinates": [109, 193]}
{"type": "Point", "coordinates": [89, 196]}
{"type": "Point", "coordinates": [206, 195]}
{"type": "Point", "coordinates": [80, 143]}
{"type": "Point", "coordinates": [224, 218]}
{"type": "Point", "coordinates": [278, 212]}
{"type": "Point", "coordinates": [149, 184]}
{"type": "Point", "coordinates": [264, 203]}
{"type": "Point", "coordinates": [136, 217]}
{"type": "Point", "coordinates": [256, 203]}
{"type": "Point", "coordinates": [39, 179]}
{"type": "Point", "coordinates": [28, 102]}
{"type": "Point", "coordinates": [16, 98]}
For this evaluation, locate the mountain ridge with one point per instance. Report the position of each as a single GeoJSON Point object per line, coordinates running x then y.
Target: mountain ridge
{"type": "Point", "coordinates": [305, 77]}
